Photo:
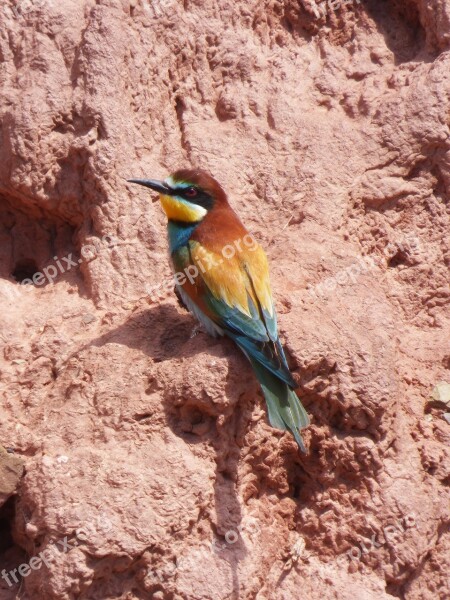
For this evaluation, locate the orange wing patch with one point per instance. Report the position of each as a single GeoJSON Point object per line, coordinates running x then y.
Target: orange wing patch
{"type": "Point", "coordinates": [256, 265]}
{"type": "Point", "coordinates": [223, 277]}
{"type": "Point", "coordinates": [234, 279]}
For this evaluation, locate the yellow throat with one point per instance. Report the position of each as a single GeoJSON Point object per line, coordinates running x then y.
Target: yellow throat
{"type": "Point", "coordinates": [181, 210]}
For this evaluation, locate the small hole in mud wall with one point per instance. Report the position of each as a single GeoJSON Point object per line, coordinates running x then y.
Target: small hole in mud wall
{"type": "Point", "coordinates": [399, 258]}
{"type": "Point", "coordinates": [6, 520]}
{"type": "Point", "coordinates": [25, 269]}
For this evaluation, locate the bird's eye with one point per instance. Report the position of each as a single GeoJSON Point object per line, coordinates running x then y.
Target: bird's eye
{"type": "Point", "coordinates": [191, 192]}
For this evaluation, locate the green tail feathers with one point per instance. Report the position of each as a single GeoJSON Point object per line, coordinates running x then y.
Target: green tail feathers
{"type": "Point", "coordinates": [284, 407]}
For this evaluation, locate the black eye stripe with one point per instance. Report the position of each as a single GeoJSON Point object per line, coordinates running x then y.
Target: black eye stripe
{"type": "Point", "coordinates": [191, 192]}
{"type": "Point", "coordinates": [201, 198]}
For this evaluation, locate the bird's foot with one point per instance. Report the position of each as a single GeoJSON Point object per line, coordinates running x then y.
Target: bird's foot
{"type": "Point", "coordinates": [196, 330]}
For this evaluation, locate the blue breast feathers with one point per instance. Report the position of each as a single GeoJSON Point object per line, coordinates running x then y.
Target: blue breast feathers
{"type": "Point", "coordinates": [179, 234]}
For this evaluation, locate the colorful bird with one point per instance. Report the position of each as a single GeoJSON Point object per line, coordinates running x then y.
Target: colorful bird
{"type": "Point", "coordinates": [222, 276]}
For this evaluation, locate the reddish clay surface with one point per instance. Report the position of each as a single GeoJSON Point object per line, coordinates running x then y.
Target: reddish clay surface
{"type": "Point", "coordinates": [330, 133]}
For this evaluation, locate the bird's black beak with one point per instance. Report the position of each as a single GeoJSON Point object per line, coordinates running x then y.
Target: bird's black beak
{"type": "Point", "coordinates": [153, 184]}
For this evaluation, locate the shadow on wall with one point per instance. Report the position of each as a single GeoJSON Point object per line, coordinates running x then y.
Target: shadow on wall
{"type": "Point", "coordinates": [164, 332]}
{"type": "Point", "coordinates": [11, 554]}
{"type": "Point", "coordinates": [400, 25]}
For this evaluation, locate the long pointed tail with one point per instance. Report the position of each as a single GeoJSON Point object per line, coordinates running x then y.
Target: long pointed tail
{"type": "Point", "coordinates": [285, 410]}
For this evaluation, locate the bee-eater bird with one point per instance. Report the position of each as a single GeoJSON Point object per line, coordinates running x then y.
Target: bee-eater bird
{"type": "Point", "coordinates": [222, 276]}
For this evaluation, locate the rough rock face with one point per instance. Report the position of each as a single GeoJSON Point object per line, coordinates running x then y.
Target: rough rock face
{"type": "Point", "coordinates": [11, 470]}
{"type": "Point", "coordinates": [151, 471]}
